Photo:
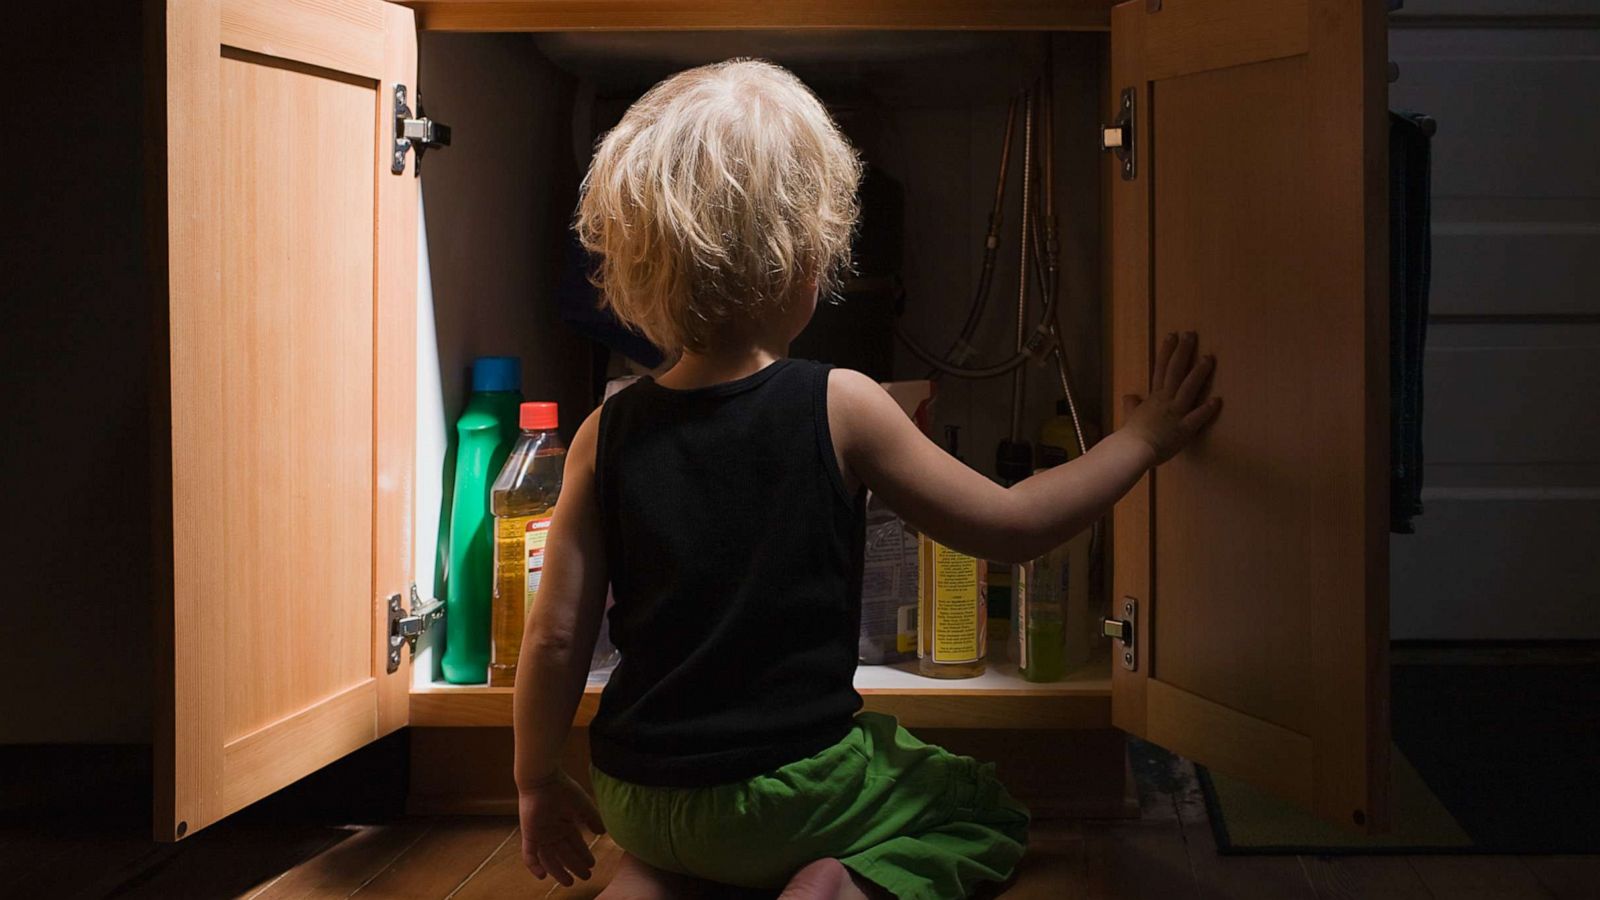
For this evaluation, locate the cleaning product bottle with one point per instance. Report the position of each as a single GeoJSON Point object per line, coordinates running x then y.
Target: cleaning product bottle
{"type": "Point", "coordinates": [1051, 608]}
{"type": "Point", "coordinates": [952, 606]}
{"type": "Point", "coordinates": [888, 587]}
{"type": "Point", "coordinates": [1058, 440]}
{"type": "Point", "coordinates": [1040, 596]}
{"type": "Point", "coordinates": [523, 500]}
{"type": "Point", "coordinates": [1075, 564]}
{"type": "Point", "coordinates": [1057, 444]}
{"type": "Point", "coordinates": [953, 616]}
{"type": "Point", "coordinates": [484, 435]}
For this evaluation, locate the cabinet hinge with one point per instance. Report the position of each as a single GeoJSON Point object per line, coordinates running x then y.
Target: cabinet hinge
{"type": "Point", "coordinates": [405, 627]}
{"type": "Point", "coordinates": [1122, 632]}
{"type": "Point", "coordinates": [1117, 138]}
{"type": "Point", "coordinates": [420, 132]}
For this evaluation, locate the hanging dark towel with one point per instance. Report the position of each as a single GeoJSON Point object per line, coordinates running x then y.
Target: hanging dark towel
{"type": "Point", "coordinates": [1409, 260]}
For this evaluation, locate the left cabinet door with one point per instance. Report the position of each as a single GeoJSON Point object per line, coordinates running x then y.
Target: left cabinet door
{"type": "Point", "coordinates": [289, 249]}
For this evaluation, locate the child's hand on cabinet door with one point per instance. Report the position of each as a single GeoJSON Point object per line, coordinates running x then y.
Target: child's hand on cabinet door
{"type": "Point", "coordinates": [552, 813]}
{"type": "Point", "coordinates": [1177, 407]}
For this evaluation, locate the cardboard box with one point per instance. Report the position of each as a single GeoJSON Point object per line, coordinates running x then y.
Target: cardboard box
{"type": "Point", "coordinates": [916, 398]}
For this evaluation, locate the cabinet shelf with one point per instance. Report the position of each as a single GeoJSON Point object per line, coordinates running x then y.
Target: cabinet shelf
{"type": "Point", "coordinates": [998, 699]}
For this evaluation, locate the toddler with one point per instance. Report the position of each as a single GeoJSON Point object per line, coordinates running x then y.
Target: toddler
{"type": "Point", "coordinates": [722, 502]}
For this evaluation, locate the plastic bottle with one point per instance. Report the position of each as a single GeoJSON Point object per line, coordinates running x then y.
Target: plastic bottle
{"type": "Point", "coordinates": [953, 615]}
{"type": "Point", "coordinates": [1041, 633]}
{"type": "Point", "coordinates": [888, 587]}
{"type": "Point", "coordinates": [1057, 440]}
{"type": "Point", "coordinates": [523, 500]}
{"type": "Point", "coordinates": [952, 604]}
{"type": "Point", "coordinates": [1052, 626]}
{"type": "Point", "coordinates": [1058, 444]}
{"type": "Point", "coordinates": [1075, 570]}
{"type": "Point", "coordinates": [484, 435]}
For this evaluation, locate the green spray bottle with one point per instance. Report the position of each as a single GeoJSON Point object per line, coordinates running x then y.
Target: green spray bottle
{"type": "Point", "coordinates": [484, 435]}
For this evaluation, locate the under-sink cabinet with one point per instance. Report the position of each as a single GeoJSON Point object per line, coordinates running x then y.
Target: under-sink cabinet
{"type": "Point", "coordinates": [1245, 199]}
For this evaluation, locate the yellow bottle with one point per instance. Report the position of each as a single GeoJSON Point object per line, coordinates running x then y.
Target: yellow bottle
{"type": "Point", "coordinates": [523, 500]}
{"type": "Point", "coordinates": [953, 611]}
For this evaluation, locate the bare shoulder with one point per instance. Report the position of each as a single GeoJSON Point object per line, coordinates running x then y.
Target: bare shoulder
{"type": "Point", "coordinates": [850, 391]}
{"type": "Point", "coordinates": [861, 413]}
{"type": "Point", "coordinates": [590, 426]}
{"type": "Point", "coordinates": [585, 443]}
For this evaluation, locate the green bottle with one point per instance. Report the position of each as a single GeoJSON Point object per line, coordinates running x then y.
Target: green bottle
{"type": "Point", "coordinates": [484, 435]}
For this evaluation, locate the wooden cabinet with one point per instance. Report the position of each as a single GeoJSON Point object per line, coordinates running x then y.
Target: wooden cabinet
{"type": "Point", "coordinates": [1254, 568]}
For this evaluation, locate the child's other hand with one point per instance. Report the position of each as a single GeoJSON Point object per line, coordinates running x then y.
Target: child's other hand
{"type": "Point", "coordinates": [1176, 409]}
{"type": "Point", "coordinates": [552, 813]}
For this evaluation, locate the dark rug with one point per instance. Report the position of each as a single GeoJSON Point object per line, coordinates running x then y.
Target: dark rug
{"type": "Point", "coordinates": [1511, 752]}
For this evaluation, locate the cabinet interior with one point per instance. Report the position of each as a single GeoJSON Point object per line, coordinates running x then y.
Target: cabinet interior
{"type": "Point", "coordinates": [925, 109]}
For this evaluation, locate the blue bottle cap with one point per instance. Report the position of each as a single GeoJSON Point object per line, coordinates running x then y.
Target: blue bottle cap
{"type": "Point", "coordinates": [496, 373]}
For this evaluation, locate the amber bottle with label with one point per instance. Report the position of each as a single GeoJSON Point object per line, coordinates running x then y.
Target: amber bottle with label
{"type": "Point", "coordinates": [522, 500]}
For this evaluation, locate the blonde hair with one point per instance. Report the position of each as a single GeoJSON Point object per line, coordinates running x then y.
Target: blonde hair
{"type": "Point", "coordinates": [722, 190]}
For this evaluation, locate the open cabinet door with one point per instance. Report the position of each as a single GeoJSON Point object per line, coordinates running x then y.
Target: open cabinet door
{"type": "Point", "coordinates": [289, 327]}
{"type": "Point", "coordinates": [1254, 212]}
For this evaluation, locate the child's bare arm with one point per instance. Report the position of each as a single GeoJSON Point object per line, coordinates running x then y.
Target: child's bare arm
{"type": "Point", "coordinates": [553, 668]}
{"type": "Point", "coordinates": [960, 508]}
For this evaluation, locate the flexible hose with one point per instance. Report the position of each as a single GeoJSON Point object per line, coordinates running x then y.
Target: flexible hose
{"type": "Point", "coordinates": [1020, 375]}
{"type": "Point", "coordinates": [991, 245]}
{"type": "Point", "coordinates": [944, 366]}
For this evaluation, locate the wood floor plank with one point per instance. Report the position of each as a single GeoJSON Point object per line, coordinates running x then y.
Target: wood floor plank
{"type": "Point", "coordinates": [444, 859]}
{"type": "Point", "coordinates": [1055, 835]}
{"type": "Point", "coordinates": [1143, 857]}
{"type": "Point", "coordinates": [53, 863]}
{"type": "Point", "coordinates": [1053, 868]}
{"type": "Point", "coordinates": [230, 859]}
{"type": "Point", "coordinates": [1136, 861]}
{"type": "Point", "coordinates": [503, 875]}
{"type": "Point", "coordinates": [1051, 871]}
{"type": "Point", "coordinates": [1218, 876]}
{"type": "Point", "coordinates": [1479, 878]}
{"type": "Point", "coordinates": [476, 858]}
{"type": "Point", "coordinates": [346, 866]}
{"type": "Point", "coordinates": [607, 856]}
{"type": "Point", "coordinates": [1567, 877]}
{"type": "Point", "coordinates": [1364, 878]}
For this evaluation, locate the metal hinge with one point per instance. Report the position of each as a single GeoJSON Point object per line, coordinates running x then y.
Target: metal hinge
{"type": "Point", "coordinates": [1122, 631]}
{"type": "Point", "coordinates": [405, 627]}
{"type": "Point", "coordinates": [1117, 138]}
{"type": "Point", "coordinates": [420, 132]}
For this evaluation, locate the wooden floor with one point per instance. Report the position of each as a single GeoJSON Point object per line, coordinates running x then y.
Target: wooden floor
{"type": "Point", "coordinates": [1169, 852]}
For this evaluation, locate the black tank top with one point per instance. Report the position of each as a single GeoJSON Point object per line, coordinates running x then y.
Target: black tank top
{"type": "Point", "coordinates": [734, 551]}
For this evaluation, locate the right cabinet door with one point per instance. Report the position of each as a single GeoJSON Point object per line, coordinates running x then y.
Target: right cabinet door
{"type": "Point", "coordinates": [1255, 213]}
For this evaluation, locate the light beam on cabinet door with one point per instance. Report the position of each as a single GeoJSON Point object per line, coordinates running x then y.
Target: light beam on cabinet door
{"type": "Point", "coordinates": [432, 432]}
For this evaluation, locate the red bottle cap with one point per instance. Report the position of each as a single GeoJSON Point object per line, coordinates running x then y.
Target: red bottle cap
{"type": "Point", "coordinates": [538, 417]}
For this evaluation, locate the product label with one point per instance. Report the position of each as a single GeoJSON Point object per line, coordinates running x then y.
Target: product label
{"type": "Point", "coordinates": [906, 635]}
{"type": "Point", "coordinates": [533, 538]}
{"type": "Point", "coordinates": [957, 611]}
{"type": "Point", "coordinates": [888, 580]}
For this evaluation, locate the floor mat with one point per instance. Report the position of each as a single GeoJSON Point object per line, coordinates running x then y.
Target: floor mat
{"type": "Point", "coordinates": [1246, 819]}
{"type": "Point", "coordinates": [1488, 759]}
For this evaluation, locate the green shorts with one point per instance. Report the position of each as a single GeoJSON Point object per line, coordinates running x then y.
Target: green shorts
{"type": "Point", "coordinates": [910, 817]}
